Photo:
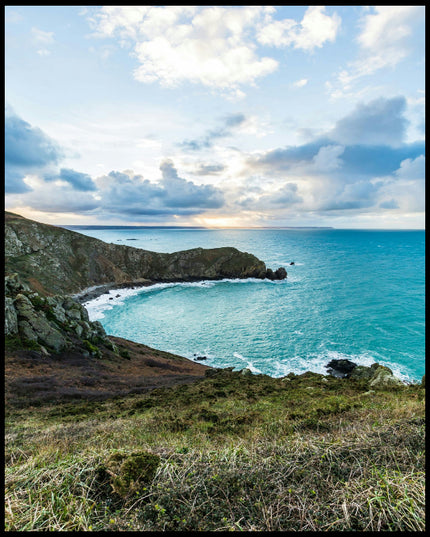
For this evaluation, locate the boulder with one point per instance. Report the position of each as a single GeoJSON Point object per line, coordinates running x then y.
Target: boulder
{"type": "Point", "coordinates": [280, 273]}
{"type": "Point", "coordinates": [340, 368]}
{"type": "Point", "coordinates": [10, 317]}
{"type": "Point", "coordinates": [383, 378]}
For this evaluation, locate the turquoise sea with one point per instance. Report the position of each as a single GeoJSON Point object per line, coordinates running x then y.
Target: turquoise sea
{"type": "Point", "coordinates": [357, 294]}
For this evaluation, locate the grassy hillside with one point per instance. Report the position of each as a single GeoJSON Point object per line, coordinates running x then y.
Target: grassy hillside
{"type": "Point", "coordinates": [231, 451]}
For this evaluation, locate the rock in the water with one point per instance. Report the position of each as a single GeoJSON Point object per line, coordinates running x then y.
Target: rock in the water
{"type": "Point", "coordinates": [340, 368]}
{"type": "Point", "coordinates": [279, 274]}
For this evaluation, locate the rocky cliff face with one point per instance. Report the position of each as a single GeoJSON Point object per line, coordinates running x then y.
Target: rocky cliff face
{"type": "Point", "coordinates": [53, 260]}
{"type": "Point", "coordinates": [48, 324]}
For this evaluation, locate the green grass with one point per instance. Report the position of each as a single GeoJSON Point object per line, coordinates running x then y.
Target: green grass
{"type": "Point", "coordinates": [230, 452]}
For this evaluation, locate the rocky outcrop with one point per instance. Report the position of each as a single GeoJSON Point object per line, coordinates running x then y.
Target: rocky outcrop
{"type": "Point", "coordinates": [49, 324]}
{"type": "Point", "coordinates": [376, 376]}
{"type": "Point", "coordinates": [54, 260]}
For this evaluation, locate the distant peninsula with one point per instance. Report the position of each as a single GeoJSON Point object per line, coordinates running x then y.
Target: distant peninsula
{"type": "Point", "coordinates": [52, 260]}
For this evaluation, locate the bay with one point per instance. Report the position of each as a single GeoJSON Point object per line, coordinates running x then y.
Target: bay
{"type": "Point", "coordinates": [356, 294]}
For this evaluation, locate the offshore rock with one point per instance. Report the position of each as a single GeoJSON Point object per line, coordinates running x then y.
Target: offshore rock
{"type": "Point", "coordinates": [279, 274]}
{"type": "Point", "coordinates": [54, 260]}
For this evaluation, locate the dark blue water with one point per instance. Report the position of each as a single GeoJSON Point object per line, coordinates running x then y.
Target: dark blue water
{"type": "Point", "coordinates": [356, 294]}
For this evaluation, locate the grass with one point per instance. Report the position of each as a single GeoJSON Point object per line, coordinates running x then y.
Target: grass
{"type": "Point", "coordinates": [229, 452]}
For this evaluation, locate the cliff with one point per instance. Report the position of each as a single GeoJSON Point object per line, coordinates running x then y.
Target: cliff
{"type": "Point", "coordinates": [54, 260]}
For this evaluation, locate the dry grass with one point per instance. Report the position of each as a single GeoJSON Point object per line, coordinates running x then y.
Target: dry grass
{"type": "Point", "coordinates": [235, 453]}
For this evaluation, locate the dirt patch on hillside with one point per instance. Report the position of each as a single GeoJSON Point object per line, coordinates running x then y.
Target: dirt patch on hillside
{"type": "Point", "coordinates": [32, 378]}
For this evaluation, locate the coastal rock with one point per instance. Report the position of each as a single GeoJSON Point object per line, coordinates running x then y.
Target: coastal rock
{"type": "Point", "coordinates": [47, 321]}
{"type": "Point", "coordinates": [279, 274]}
{"type": "Point", "coordinates": [10, 317]}
{"type": "Point", "coordinates": [340, 368]}
{"type": "Point", "coordinates": [383, 378]}
{"type": "Point", "coordinates": [377, 376]}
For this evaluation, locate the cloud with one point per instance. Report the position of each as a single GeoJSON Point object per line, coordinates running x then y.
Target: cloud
{"type": "Point", "coordinates": [361, 164]}
{"type": "Point", "coordinates": [385, 40]}
{"type": "Point", "coordinates": [315, 29]}
{"type": "Point", "coordinates": [27, 150]}
{"type": "Point", "coordinates": [53, 197]}
{"type": "Point", "coordinates": [173, 44]}
{"type": "Point", "coordinates": [381, 121]}
{"type": "Point", "coordinates": [79, 181]}
{"type": "Point", "coordinates": [300, 83]}
{"type": "Point", "coordinates": [217, 46]}
{"type": "Point", "coordinates": [208, 169]}
{"type": "Point", "coordinates": [390, 204]}
{"type": "Point", "coordinates": [42, 39]}
{"type": "Point", "coordinates": [405, 187]}
{"type": "Point", "coordinates": [231, 123]}
{"type": "Point", "coordinates": [123, 193]}
{"type": "Point", "coordinates": [181, 193]}
{"type": "Point", "coordinates": [35, 179]}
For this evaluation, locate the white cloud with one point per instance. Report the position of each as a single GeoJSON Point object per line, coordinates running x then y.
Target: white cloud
{"type": "Point", "coordinates": [300, 83]}
{"type": "Point", "coordinates": [384, 41]}
{"type": "Point", "coordinates": [42, 39]}
{"type": "Point", "coordinates": [214, 46]}
{"type": "Point", "coordinates": [406, 187]}
{"type": "Point", "coordinates": [313, 31]}
{"type": "Point", "coordinates": [185, 43]}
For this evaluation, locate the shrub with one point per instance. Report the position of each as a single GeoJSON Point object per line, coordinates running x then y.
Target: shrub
{"type": "Point", "coordinates": [128, 472]}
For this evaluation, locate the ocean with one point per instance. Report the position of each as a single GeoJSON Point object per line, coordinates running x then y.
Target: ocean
{"type": "Point", "coordinates": [356, 294]}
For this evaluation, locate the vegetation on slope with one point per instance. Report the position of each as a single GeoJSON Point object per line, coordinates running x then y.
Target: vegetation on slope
{"type": "Point", "coordinates": [231, 451]}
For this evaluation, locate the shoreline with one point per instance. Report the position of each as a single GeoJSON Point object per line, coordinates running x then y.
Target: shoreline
{"type": "Point", "coordinates": [95, 291]}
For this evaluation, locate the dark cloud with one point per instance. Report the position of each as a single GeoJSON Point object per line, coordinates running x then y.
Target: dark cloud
{"type": "Point", "coordinates": [132, 194]}
{"type": "Point", "coordinates": [185, 194]}
{"type": "Point", "coordinates": [355, 159]}
{"type": "Point", "coordinates": [284, 159]}
{"type": "Point", "coordinates": [230, 122]}
{"type": "Point", "coordinates": [27, 150]}
{"type": "Point", "coordinates": [391, 204]}
{"type": "Point", "coordinates": [79, 181]}
{"type": "Point", "coordinates": [379, 122]}
{"type": "Point", "coordinates": [209, 169]}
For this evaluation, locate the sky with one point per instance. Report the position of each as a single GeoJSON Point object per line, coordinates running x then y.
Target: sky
{"type": "Point", "coordinates": [216, 116]}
